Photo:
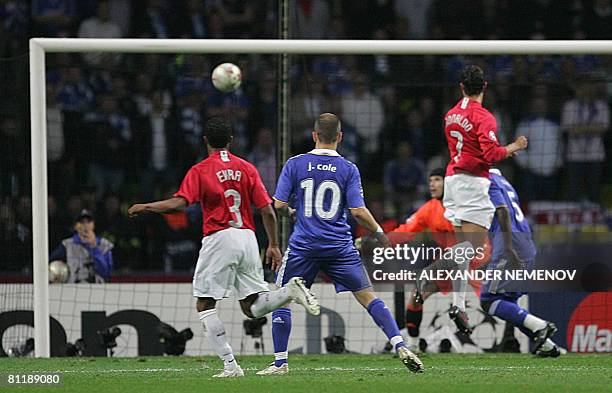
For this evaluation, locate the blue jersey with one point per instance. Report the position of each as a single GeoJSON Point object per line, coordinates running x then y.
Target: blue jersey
{"type": "Point", "coordinates": [321, 185]}
{"type": "Point", "coordinates": [502, 193]}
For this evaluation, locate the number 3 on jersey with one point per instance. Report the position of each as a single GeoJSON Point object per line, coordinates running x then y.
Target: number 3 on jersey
{"type": "Point", "coordinates": [235, 207]}
{"type": "Point", "coordinates": [319, 196]}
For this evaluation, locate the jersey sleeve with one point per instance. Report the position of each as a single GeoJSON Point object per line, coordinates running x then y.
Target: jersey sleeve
{"type": "Point", "coordinates": [496, 195]}
{"type": "Point", "coordinates": [259, 192]}
{"type": "Point", "coordinates": [190, 187]}
{"type": "Point", "coordinates": [284, 186]}
{"type": "Point", "coordinates": [487, 138]}
{"type": "Point", "coordinates": [354, 191]}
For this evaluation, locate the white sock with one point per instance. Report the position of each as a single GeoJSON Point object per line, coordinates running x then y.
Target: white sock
{"type": "Point", "coordinates": [463, 264]}
{"type": "Point", "coordinates": [215, 332]}
{"type": "Point", "coordinates": [534, 323]}
{"type": "Point", "coordinates": [267, 302]}
{"type": "Point", "coordinates": [281, 355]}
{"type": "Point", "coordinates": [548, 345]}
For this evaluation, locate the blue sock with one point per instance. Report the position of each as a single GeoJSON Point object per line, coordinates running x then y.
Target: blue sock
{"type": "Point", "coordinates": [281, 328]}
{"type": "Point", "coordinates": [383, 318]}
{"type": "Point", "coordinates": [509, 311]}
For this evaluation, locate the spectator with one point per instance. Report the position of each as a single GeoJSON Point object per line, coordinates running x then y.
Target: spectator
{"type": "Point", "coordinates": [59, 223]}
{"type": "Point", "coordinates": [152, 21]}
{"type": "Point", "coordinates": [263, 156]}
{"type": "Point", "coordinates": [416, 14]}
{"type": "Point", "coordinates": [404, 179]}
{"type": "Point", "coordinates": [121, 231]}
{"type": "Point", "coordinates": [197, 26]}
{"type": "Point", "coordinates": [543, 158]}
{"type": "Point", "coordinates": [74, 94]}
{"type": "Point", "coordinates": [365, 111]}
{"type": "Point", "coordinates": [55, 141]}
{"type": "Point", "coordinates": [235, 106]}
{"type": "Point", "coordinates": [89, 257]}
{"type": "Point", "coordinates": [112, 136]}
{"type": "Point", "coordinates": [157, 144]}
{"type": "Point", "coordinates": [585, 118]}
{"type": "Point", "coordinates": [16, 220]}
{"type": "Point", "coordinates": [120, 14]}
{"type": "Point", "coordinates": [598, 20]}
{"type": "Point", "coordinates": [310, 20]}
{"type": "Point", "coordinates": [237, 17]}
{"type": "Point", "coordinates": [53, 16]}
{"type": "Point", "coordinates": [14, 157]}
{"type": "Point", "coordinates": [100, 26]}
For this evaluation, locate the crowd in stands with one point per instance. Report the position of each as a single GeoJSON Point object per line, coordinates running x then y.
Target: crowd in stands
{"type": "Point", "coordinates": [125, 128]}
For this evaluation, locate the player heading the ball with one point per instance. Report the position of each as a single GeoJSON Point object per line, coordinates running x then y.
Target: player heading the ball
{"type": "Point", "coordinates": [471, 134]}
{"type": "Point", "coordinates": [226, 186]}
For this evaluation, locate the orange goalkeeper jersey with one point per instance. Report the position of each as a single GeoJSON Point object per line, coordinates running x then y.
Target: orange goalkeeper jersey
{"type": "Point", "coordinates": [430, 217]}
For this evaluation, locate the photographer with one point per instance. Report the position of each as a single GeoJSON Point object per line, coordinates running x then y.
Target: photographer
{"type": "Point", "coordinates": [88, 256]}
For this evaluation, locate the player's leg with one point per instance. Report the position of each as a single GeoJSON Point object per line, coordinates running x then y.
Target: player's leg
{"type": "Point", "coordinates": [349, 274]}
{"type": "Point", "coordinates": [414, 313]}
{"type": "Point", "coordinates": [256, 298]}
{"type": "Point", "coordinates": [215, 269]}
{"type": "Point", "coordinates": [470, 237]}
{"type": "Point", "coordinates": [506, 307]}
{"type": "Point", "coordinates": [381, 315]}
{"type": "Point", "coordinates": [215, 333]}
{"type": "Point", "coordinates": [293, 265]}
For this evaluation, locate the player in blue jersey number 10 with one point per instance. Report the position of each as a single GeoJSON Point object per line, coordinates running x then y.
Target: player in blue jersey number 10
{"type": "Point", "coordinates": [321, 186]}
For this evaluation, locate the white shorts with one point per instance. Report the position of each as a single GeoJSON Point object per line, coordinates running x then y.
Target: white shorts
{"type": "Point", "coordinates": [229, 259]}
{"type": "Point", "coordinates": [466, 198]}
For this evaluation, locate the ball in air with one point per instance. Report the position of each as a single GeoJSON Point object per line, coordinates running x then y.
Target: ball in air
{"type": "Point", "coordinates": [58, 272]}
{"type": "Point", "coordinates": [227, 77]}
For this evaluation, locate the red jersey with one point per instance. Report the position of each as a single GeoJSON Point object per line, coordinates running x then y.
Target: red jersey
{"type": "Point", "coordinates": [471, 133]}
{"type": "Point", "coordinates": [226, 186]}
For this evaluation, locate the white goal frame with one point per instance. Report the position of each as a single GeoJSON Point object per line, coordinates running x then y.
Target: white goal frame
{"type": "Point", "coordinates": [38, 110]}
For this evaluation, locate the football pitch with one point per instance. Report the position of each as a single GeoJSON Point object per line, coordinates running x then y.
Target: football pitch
{"type": "Point", "coordinates": [325, 374]}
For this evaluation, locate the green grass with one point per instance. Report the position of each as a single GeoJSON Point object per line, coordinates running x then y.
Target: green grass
{"type": "Point", "coordinates": [515, 373]}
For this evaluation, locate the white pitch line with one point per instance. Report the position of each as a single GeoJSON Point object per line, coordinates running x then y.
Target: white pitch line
{"type": "Point", "coordinates": [337, 369]}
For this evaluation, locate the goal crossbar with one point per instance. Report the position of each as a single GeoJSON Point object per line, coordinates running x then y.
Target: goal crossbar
{"type": "Point", "coordinates": [38, 112]}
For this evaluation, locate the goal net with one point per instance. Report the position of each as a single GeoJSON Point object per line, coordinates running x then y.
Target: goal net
{"type": "Point", "coordinates": [124, 122]}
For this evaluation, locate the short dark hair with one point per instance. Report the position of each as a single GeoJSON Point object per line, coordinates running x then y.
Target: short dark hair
{"type": "Point", "coordinates": [218, 132]}
{"type": "Point", "coordinates": [327, 127]}
{"type": "Point", "coordinates": [473, 80]}
{"type": "Point", "coordinates": [437, 172]}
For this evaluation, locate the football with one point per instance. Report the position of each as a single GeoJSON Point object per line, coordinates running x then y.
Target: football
{"type": "Point", "coordinates": [58, 272]}
{"type": "Point", "coordinates": [227, 77]}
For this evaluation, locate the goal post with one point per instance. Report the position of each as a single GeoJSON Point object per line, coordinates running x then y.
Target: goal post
{"type": "Point", "coordinates": [40, 46]}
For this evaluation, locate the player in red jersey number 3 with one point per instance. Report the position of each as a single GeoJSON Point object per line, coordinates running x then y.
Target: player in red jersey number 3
{"type": "Point", "coordinates": [226, 186]}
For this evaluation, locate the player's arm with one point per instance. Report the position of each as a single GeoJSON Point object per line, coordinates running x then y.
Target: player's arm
{"type": "Point", "coordinates": [171, 205]}
{"type": "Point", "coordinates": [363, 216]}
{"type": "Point", "coordinates": [284, 209]}
{"type": "Point", "coordinates": [273, 254]}
{"type": "Point", "coordinates": [503, 215]}
{"type": "Point", "coordinates": [414, 225]}
{"type": "Point", "coordinates": [487, 138]}
{"type": "Point", "coordinates": [505, 222]}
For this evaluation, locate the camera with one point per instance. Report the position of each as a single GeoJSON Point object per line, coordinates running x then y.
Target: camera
{"type": "Point", "coordinates": [253, 327]}
{"type": "Point", "coordinates": [173, 341]}
{"type": "Point", "coordinates": [108, 338]}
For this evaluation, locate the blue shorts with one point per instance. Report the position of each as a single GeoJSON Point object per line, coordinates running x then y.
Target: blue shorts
{"type": "Point", "coordinates": [345, 269]}
{"type": "Point", "coordinates": [503, 289]}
